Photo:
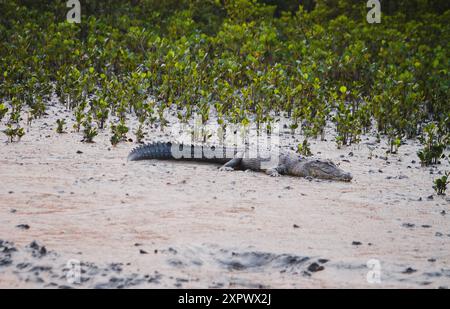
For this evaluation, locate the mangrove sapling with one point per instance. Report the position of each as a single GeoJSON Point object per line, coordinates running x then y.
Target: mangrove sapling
{"type": "Point", "coordinates": [394, 141]}
{"type": "Point", "coordinates": [220, 113]}
{"type": "Point", "coordinates": [38, 108]}
{"type": "Point", "coordinates": [15, 117]}
{"type": "Point", "coordinates": [13, 132]}
{"type": "Point", "coordinates": [16, 109]}
{"type": "Point", "coordinates": [30, 118]}
{"type": "Point", "coordinates": [79, 116]}
{"type": "Point", "coordinates": [348, 125]}
{"type": "Point", "coordinates": [140, 134]}
{"type": "Point", "coordinates": [3, 111]}
{"type": "Point", "coordinates": [60, 126]}
{"type": "Point", "coordinates": [440, 184]}
{"type": "Point", "coordinates": [101, 107]}
{"type": "Point", "coordinates": [89, 132]}
{"type": "Point", "coordinates": [10, 132]}
{"type": "Point", "coordinates": [162, 120]}
{"type": "Point", "coordinates": [115, 140]}
{"type": "Point", "coordinates": [20, 133]}
{"type": "Point", "coordinates": [304, 148]}
{"type": "Point", "coordinates": [434, 145]}
{"type": "Point", "coordinates": [119, 132]}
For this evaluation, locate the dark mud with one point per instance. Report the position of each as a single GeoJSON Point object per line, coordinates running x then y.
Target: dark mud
{"type": "Point", "coordinates": [36, 266]}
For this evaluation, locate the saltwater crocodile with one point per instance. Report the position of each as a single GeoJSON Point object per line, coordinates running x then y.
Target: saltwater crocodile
{"type": "Point", "coordinates": [236, 159]}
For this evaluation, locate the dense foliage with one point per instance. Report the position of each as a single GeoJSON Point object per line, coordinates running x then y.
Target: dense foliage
{"type": "Point", "coordinates": [244, 60]}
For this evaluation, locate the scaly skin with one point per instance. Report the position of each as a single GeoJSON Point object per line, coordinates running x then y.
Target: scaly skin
{"type": "Point", "coordinates": [235, 159]}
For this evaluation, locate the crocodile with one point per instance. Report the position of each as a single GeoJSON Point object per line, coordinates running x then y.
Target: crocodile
{"type": "Point", "coordinates": [233, 158]}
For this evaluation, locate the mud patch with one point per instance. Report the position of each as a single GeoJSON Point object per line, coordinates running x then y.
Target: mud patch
{"type": "Point", "coordinates": [256, 261]}
{"type": "Point", "coordinates": [36, 265]}
{"type": "Point", "coordinates": [239, 262]}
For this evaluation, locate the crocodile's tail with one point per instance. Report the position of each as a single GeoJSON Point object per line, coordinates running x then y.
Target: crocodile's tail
{"type": "Point", "coordinates": [172, 151]}
{"type": "Point", "coordinates": [160, 151]}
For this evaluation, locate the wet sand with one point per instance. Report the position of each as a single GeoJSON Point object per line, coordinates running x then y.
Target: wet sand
{"type": "Point", "coordinates": [186, 225]}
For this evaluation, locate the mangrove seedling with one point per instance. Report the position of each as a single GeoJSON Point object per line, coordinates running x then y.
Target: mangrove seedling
{"type": "Point", "coordinates": [14, 132]}
{"type": "Point", "coordinates": [89, 132]}
{"type": "Point", "coordinates": [434, 146]}
{"type": "Point", "coordinates": [119, 133]}
{"type": "Point", "coordinates": [140, 134]}
{"type": "Point", "coordinates": [3, 111]}
{"type": "Point", "coordinates": [440, 184]}
{"type": "Point", "coordinates": [304, 148]}
{"type": "Point", "coordinates": [60, 126]}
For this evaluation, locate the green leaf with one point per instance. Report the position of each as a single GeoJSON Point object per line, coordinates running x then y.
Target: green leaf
{"type": "Point", "coordinates": [245, 122]}
{"type": "Point", "coordinates": [343, 89]}
{"type": "Point", "coordinates": [435, 63]}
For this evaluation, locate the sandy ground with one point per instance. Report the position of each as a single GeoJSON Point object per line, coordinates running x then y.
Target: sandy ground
{"type": "Point", "coordinates": [172, 224]}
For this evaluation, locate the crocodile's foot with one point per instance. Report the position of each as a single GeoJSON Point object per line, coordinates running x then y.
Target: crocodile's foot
{"type": "Point", "coordinates": [226, 169]}
{"type": "Point", "coordinates": [273, 173]}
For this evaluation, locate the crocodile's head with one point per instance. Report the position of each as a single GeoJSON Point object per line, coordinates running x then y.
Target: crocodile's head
{"type": "Point", "coordinates": [327, 170]}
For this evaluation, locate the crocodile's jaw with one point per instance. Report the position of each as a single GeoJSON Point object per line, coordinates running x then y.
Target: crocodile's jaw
{"type": "Point", "coordinates": [346, 177]}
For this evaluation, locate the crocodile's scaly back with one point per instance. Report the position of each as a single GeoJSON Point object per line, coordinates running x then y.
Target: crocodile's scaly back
{"type": "Point", "coordinates": [173, 151]}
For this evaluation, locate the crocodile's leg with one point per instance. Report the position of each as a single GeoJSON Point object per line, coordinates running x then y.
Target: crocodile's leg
{"type": "Point", "coordinates": [234, 163]}
{"type": "Point", "coordinates": [231, 165]}
{"type": "Point", "coordinates": [273, 172]}
{"type": "Point", "coordinates": [277, 171]}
